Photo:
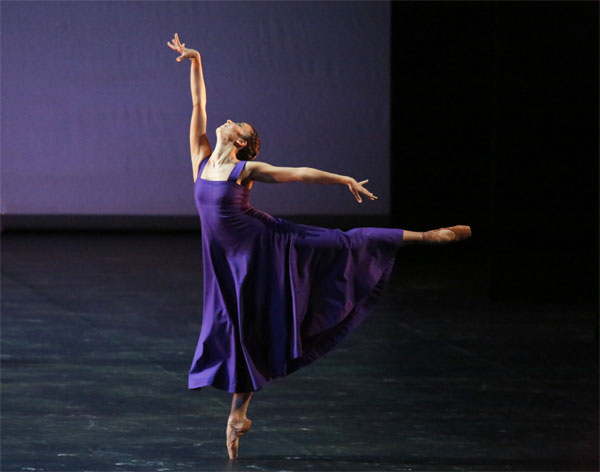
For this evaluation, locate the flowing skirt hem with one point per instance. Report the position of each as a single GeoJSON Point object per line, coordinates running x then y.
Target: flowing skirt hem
{"type": "Point", "coordinates": [327, 340]}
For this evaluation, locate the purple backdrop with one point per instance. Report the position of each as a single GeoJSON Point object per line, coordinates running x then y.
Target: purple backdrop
{"type": "Point", "coordinates": [95, 109]}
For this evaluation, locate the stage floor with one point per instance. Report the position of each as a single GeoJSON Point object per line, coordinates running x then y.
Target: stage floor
{"type": "Point", "coordinates": [99, 330]}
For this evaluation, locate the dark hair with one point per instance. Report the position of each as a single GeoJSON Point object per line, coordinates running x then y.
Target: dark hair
{"type": "Point", "coordinates": [250, 150]}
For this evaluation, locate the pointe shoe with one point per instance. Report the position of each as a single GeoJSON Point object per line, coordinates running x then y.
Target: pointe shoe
{"type": "Point", "coordinates": [453, 234]}
{"type": "Point", "coordinates": [234, 431]}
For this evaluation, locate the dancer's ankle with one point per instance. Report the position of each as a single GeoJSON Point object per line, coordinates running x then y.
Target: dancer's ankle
{"type": "Point", "coordinates": [236, 418]}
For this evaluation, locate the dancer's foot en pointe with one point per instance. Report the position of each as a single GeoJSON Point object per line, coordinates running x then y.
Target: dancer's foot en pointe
{"type": "Point", "coordinates": [235, 429]}
{"type": "Point", "coordinates": [453, 234]}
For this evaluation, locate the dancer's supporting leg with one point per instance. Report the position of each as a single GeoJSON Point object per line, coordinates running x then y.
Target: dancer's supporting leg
{"type": "Point", "coordinates": [239, 406]}
{"type": "Point", "coordinates": [237, 423]}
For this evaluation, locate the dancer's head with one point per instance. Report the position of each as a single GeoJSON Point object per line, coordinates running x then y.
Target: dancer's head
{"type": "Point", "coordinates": [243, 136]}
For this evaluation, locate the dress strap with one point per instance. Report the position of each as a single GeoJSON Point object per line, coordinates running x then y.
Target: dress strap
{"type": "Point", "coordinates": [237, 170]}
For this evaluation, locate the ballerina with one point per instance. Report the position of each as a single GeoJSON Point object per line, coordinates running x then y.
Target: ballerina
{"type": "Point", "coordinates": [274, 300]}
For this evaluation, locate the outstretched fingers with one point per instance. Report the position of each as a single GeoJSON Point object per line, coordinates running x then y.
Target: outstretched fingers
{"type": "Point", "coordinates": [177, 41]}
{"type": "Point", "coordinates": [365, 191]}
{"type": "Point", "coordinates": [357, 188]}
{"type": "Point", "coordinates": [173, 45]}
{"type": "Point", "coordinates": [176, 44]}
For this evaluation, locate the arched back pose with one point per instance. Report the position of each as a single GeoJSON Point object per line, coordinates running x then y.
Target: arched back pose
{"type": "Point", "coordinates": [277, 295]}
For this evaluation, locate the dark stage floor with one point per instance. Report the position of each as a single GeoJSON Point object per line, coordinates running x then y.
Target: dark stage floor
{"type": "Point", "coordinates": [98, 332]}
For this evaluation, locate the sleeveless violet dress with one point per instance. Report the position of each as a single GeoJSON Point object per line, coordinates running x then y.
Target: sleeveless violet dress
{"type": "Point", "coordinates": [277, 295]}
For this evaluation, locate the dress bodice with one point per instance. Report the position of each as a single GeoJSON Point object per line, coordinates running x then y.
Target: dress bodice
{"type": "Point", "coordinates": [216, 196]}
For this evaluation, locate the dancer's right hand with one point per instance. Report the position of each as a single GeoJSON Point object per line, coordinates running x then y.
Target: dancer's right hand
{"type": "Point", "coordinates": [356, 188]}
{"type": "Point", "coordinates": [186, 53]}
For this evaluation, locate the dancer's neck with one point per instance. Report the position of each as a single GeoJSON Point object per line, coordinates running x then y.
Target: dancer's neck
{"type": "Point", "coordinates": [223, 153]}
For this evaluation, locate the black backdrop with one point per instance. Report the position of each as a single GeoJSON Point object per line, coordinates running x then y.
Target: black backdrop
{"type": "Point", "coordinates": [495, 124]}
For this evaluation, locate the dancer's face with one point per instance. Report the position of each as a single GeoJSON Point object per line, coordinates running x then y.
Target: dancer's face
{"type": "Point", "coordinates": [230, 131]}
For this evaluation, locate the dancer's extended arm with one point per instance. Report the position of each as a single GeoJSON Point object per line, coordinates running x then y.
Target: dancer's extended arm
{"type": "Point", "coordinates": [263, 172]}
{"type": "Point", "coordinates": [199, 145]}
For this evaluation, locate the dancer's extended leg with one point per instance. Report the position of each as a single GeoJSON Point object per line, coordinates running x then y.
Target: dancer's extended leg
{"type": "Point", "coordinates": [437, 236]}
{"type": "Point", "coordinates": [237, 423]}
{"type": "Point", "coordinates": [411, 237]}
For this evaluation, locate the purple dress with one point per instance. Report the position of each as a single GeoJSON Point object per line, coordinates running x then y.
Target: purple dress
{"type": "Point", "coordinates": [277, 295]}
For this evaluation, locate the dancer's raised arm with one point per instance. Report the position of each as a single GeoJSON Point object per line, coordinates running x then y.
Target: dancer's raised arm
{"type": "Point", "coordinates": [199, 145]}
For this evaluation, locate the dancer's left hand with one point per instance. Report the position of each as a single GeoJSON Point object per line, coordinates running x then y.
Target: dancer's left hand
{"type": "Point", "coordinates": [357, 188]}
